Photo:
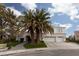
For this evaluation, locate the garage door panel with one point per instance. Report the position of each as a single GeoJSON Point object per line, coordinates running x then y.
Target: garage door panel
{"type": "Point", "coordinates": [59, 40]}
{"type": "Point", "coordinates": [50, 39]}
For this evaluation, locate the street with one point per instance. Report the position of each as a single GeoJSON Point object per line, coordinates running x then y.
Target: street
{"type": "Point", "coordinates": [57, 52]}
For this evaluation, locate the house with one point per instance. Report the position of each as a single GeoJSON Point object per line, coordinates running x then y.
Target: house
{"type": "Point", "coordinates": [22, 36]}
{"type": "Point", "coordinates": [76, 34]}
{"type": "Point", "coordinates": [57, 36]}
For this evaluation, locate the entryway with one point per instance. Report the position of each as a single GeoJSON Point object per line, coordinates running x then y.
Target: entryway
{"type": "Point", "coordinates": [21, 39]}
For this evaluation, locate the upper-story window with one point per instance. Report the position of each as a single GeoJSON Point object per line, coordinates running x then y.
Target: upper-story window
{"type": "Point", "coordinates": [58, 30]}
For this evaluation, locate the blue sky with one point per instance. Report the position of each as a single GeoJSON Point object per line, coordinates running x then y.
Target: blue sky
{"type": "Point", "coordinates": [65, 14]}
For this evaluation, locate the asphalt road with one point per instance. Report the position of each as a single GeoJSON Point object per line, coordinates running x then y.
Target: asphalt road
{"type": "Point", "coordinates": [59, 52]}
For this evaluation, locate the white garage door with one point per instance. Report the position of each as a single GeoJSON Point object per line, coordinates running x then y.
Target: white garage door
{"type": "Point", "coordinates": [59, 39]}
{"type": "Point", "coordinates": [54, 39]}
{"type": "Point", "coordinates": [50, 39]}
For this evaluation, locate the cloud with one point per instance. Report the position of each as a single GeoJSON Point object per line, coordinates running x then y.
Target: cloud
{"type": "Point", "coordinates": [16, 12]}
{"type": "Point", "coordinates": [77, 28]}
{"type": "Point", "coordinates": [67, 25]}
{"type": "Point", "coordinates": [29, 5]}
{"type": "Point", "coordinates": [51, 11]}
{"type": "Point", "coordinates": [65, 8]}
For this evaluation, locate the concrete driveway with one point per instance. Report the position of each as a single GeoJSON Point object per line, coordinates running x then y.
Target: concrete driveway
{"type": "Point", "coordinates": [61, 45]}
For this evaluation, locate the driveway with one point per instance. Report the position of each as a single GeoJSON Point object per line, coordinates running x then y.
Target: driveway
{"type": "Point", "coordinates": [61, 45]}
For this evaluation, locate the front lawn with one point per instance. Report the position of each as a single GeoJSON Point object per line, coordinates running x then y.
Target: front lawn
{"type": "Point", "coordinates": [41, 44]}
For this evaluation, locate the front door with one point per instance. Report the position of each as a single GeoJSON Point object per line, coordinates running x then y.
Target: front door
{"type": "Point", "coordinates": [21, 39]}
{"type": "Point", "coordinates": [28, 39]}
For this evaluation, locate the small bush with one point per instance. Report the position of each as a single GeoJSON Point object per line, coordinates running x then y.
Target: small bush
{"type": "Point", "coordinates": [41, 44]}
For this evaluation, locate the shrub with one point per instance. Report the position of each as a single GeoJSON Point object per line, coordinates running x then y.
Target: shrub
{"type": "Point", "coordinates": [41, 44]}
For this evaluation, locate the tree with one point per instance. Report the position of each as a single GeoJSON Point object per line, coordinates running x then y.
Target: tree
{"type": "Point", "coordinates": [11, 18]}
{"type": "Point", "coordinates": [8, 22]}
{"type": "Point", "coordinates": [43, 25]}
{"type": "Point", "coordinates": [29, 23]}
{"type": "Point", "coordinates": [37, 23]}
{"type": "Point", "coordinates": [2, 10]}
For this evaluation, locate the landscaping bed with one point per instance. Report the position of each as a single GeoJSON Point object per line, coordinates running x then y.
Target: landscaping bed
{"type": "Point", "coordinates": [41, 44]}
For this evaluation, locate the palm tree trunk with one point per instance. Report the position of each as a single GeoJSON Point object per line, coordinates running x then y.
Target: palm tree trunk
{"type": "Point", "coordinates": [32, 37]}
{"type": "Point", "coordinates": [37, 35]}
{"type": "Point", "coordinates": [41, 35]}
{"type": "Point", "coordinates": [32, 34]}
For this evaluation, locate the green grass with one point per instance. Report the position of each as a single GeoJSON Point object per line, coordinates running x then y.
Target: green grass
{"type": "Point", "coordinates": [41, 44]}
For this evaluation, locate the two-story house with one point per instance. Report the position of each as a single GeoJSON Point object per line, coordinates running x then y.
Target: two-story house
{"type": "Point", "coordinates": [57, 36]}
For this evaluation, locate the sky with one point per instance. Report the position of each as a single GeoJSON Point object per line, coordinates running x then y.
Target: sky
{"type": "Point", "coordinates": [62, 14]}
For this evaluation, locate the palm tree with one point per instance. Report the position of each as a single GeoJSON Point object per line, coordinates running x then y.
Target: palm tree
{"type": "Point", "coordinates": [36, 21]}
{"type": "Point", "coordinates": [43, 25]}
{"type": "Point", "coordinates": [29, 23]}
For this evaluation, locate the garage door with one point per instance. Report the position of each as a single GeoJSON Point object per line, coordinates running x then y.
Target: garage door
{"type": "Point", "coordinates": [50, 39]}
{"type": "Point", "coordinates": [60, 39]}
{"type": "Point", "coordinates": [54, 39]}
